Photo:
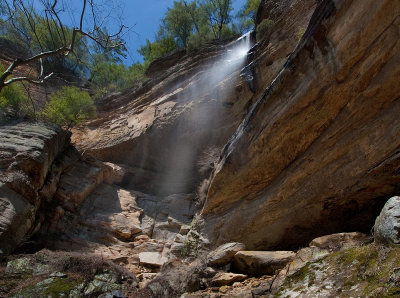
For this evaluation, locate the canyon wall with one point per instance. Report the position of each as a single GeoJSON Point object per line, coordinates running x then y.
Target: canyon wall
{"type": "Point", "coordinates": [319, 152]}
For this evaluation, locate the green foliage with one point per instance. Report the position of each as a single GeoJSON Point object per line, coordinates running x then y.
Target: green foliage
{"type": "Point", "coordinates": [191, 24]}
{"type": "Point", "coordinates": [69, 107]}
{"type": "Point", "coordinates": [14, 102]}
{"type": "Point", "coordinates": [247, 15]}
{"type": "Point", "coordinates": [218, 14]}
{"type": "Point", "coordinates": [180, 21]}
{"type": "Point", "coordinates": [301, 32]}
{"type": "Point", "coordinates": [153, 50]}
{"type": "Point", "coordinates": [264, 29]}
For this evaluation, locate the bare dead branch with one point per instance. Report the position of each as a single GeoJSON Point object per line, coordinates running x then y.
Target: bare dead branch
{"type": "Point", "coordinates": [52, 16]}
{"type": "Point", "coordinates": [30, 80]}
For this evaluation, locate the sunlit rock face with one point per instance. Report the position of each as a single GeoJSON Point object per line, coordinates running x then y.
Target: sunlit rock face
{"type": "Point", "coordinates": [319, 151]}
{"type": "Point", "coordinates": [170, 132]}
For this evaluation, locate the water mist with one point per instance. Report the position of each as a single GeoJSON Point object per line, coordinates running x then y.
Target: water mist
{"type": "Point", "coordinates": [204, 98]}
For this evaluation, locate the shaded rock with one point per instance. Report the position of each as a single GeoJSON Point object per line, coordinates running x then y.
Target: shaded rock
{"type": "Point", "coordinates": [226, 279]}
{"type": "Point", "coordinates": [109, 211]}
{"type": "Point", "coordinates": [387, 224]}
{"type": "Point", "coordinates": [77, 183]}
{"type": "Point", "coordinates": [145, 278]}
{"type": "Point", "coordinates": [105, 282]}
{"type": "Point", "coordinates": [113, 294]}
{"type": "Point", "coordinates": [152, 259]}
{"type": "Point", "coordinates": [163, 63]}
{"type": "Point", "coordinates": [27, 265]}
{"type": "Point", "coordinates": [259, 292]}
{"type": "Point", "coordinates": [17, 217]}
{"type": "Point", "coordinates": [224, 254]}
{"type": "Point", "coordinates": [113, 173]}
{"type": "Point", "coordinates": [184, 230]}
{"type": "Point", "coordinates": [339, 241]}
{"type": "Point", "coordinates": [319, 150]}
{"type": "Point", "coordinates": [27, 153]}
{"type": "Point", "coordinates": [261, 262]}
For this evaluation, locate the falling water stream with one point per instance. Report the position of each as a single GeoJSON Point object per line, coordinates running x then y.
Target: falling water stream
{"type": "Point", "coordinates": [213, 86]}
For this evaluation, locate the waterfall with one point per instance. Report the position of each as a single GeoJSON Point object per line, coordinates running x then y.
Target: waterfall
{"type": "Point", "coordinates": [207, 92]}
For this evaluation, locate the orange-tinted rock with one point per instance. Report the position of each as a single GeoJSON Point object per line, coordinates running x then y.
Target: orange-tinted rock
{"type": "Point", "coordinates": [318, 152]}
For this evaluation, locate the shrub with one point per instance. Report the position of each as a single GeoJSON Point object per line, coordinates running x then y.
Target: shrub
{"type": "Point", "coordinates": [264, 29]}
{"type": "Point", "coordinates": [69, 107]}
{"type": "Point", "coordinates": [14, 102]}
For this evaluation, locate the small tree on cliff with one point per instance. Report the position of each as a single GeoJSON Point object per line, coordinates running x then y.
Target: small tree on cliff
{"type": "Point", "coordinates": [68, 107]}
{"type": "Point", "coordinates": [48, 38]}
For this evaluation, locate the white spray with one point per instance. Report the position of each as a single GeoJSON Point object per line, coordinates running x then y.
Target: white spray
{"type": "Point", "coordinates": [210, 90]}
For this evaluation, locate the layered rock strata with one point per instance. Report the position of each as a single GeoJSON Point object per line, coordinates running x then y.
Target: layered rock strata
{"type": "Point", "coordinates": [28, 153]}
{"type": "Point", "coordinates": [319, 151]}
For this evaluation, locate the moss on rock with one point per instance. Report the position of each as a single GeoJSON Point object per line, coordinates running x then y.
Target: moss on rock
{"type": "Point", "coordinates": [360, 271]}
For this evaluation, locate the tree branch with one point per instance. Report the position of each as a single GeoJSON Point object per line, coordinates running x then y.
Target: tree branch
{"type": "Point", "coordinates": [36, 82]}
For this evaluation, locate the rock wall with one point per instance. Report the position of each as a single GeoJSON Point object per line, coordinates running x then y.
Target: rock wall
{"type": "Point", "coordinates": [27, 152]}
{"type": "Point", "coordinates": [319, 151]}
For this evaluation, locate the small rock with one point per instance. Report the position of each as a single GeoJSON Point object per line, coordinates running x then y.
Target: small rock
{"type": "Point", "coordinates": [210, 272]}
{"type": "Point", "coordinates": [179, 238]}
{"type": "Point", "coordinates": [224, 254]}
{"type": "Point", "coordinates": [226, 279]}
{"type": "Point", "coordinates": [255, 284]}
{"type": "Point", "coordinates": [147, 277]}
{"type": "Point", "coordinates": [387, 224]}
{"type": "Point", "coordinates": [184, 229]}
{"type": "Point", "coordinates": [261, 262]}
{"type": "Point", "coordinates": [237, 284]}
{"type": "Point", "coordinates": [58, 274]}
{"type": "Point", "coordinates": [113, 294]}
{"type": "Point", "coordinates": [259, 292]}
{"type": "Point", "coordinates": [224, 289]}
{"type": "Point", "coordinates": [152, 259]}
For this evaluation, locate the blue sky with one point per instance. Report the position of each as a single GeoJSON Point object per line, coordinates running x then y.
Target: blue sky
{"type": "Point", "coordinates": [145, 16]}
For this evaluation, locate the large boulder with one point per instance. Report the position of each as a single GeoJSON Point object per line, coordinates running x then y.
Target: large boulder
{"type": "Point", "coordinates": [223, 254]}
{"type": "Point", "coordinates": [226, 278]}
{"type": "Point", "coordinates": [319, 149]}
{"type": "Point", "coordinates": [261, 262]}
{"type": "Point", "coordinates": [387, 224]}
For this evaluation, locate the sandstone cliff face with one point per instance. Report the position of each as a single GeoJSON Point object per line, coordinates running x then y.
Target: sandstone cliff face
{"type": "Point", "coordinates": [170, 131]}
{"type": "Point", "coordinates": [27, 153]}
{"type": "Point", "coordinates": [319, 151]}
